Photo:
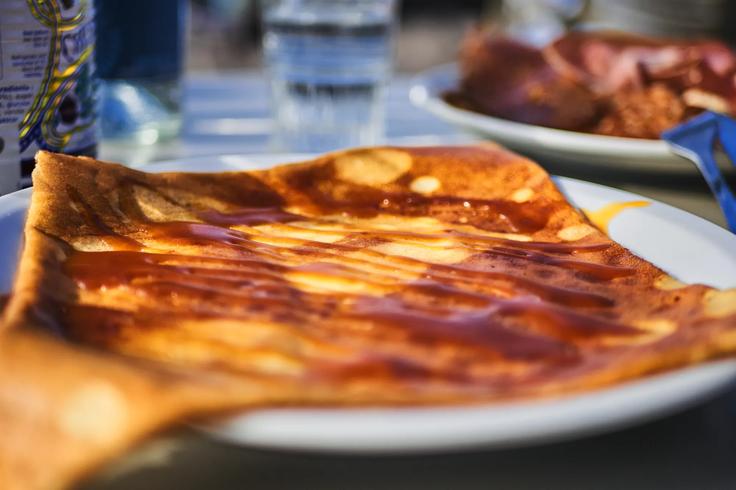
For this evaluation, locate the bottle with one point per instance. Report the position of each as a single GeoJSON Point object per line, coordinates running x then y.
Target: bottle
{"type": "Point", "coordinates": [140, 48]}
{"type": "Point", "coordinates": [47, 84]}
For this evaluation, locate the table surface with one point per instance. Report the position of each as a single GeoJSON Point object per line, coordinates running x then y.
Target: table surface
{"type": "Point", "coordinates": [228, 114]}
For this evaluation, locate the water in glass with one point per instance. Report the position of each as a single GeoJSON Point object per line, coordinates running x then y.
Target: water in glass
{"type": "Point", "coordinates": [328, 62]}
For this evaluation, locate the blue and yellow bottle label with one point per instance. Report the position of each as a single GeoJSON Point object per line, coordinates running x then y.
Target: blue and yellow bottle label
{"type": "Point", "coordinates": [47, 85]}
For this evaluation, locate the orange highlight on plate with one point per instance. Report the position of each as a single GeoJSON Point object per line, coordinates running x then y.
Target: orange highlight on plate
{"type": "Point", "coordinates": [602, 217]}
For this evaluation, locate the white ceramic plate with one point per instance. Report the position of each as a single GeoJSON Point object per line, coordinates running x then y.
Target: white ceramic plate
{"type": "Point", "coordinates": [690, 248]}
{"type": "Point", "coordinates": [546, 143]}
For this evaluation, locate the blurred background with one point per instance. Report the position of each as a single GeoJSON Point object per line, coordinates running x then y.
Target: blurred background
{"type": "Point", "coordinates": [224, 104]}
{"type": "Point", "coordinates": [225, 34]}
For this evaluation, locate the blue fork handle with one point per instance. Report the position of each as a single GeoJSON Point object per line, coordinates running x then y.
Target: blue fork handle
{"type": "Point", "coordinates": [718, 186]}
{"type": "Point", "coordinates": [727, 136]}
{"type": "Point", "coordinates": [695, 140]}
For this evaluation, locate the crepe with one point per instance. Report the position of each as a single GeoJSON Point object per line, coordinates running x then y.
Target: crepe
{"type": "Point", "coordinates": [377, 276]}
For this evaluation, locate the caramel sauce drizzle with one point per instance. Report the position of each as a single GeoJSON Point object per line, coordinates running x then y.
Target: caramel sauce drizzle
{"type": "Point", "coordinates": [496, 313]}
{"type": "Point", "coordinates": [464, 238]}
{"type": "Point", "coordinates": [249, 216]}
{"type": "Point", "coordinates": [364, 202]}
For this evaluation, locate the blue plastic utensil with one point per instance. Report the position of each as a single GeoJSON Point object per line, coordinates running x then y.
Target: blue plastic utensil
{"type": "Point", "coordinates": [696, 140]}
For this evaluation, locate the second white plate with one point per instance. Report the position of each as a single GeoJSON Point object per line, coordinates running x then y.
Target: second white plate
{"type": "Point", "coordinates": [548, 144]}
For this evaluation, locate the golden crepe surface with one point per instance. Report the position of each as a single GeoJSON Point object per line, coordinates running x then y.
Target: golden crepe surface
{"type": "Point", "coordinates": [372, 276]}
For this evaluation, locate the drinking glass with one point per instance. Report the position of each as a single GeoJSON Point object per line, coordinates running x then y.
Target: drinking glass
{"type": "Point", "coordinates": [328, 62]}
